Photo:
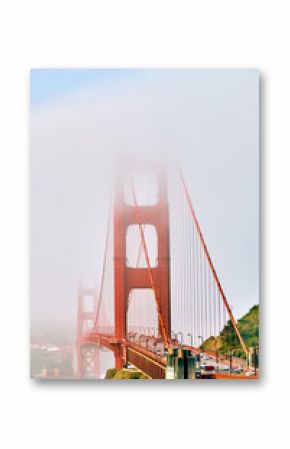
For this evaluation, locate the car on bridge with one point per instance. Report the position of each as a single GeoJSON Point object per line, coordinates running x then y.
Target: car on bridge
{"type": "Point", "coordinates": [238, 370]}
{"type": "Point", "coordinates": [252, 372]}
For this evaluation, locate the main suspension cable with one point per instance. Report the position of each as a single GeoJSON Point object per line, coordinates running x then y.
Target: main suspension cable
{"type": "Point", "coordinates": [103, 272]}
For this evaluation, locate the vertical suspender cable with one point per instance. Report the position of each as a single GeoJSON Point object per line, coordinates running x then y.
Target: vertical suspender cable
{"type": "Point", "coordinates": [211, 266]}
{"type": "Point", "coordinates": [205, 299]}
{"type": "Point", "coordinates": [198, 292]}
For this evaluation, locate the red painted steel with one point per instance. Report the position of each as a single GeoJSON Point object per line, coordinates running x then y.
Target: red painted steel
{"type": "Point", "coordinates": [126, 278]}
{"type": "Point", "coordinates": [154, 368]}
{"type": "Point", "coordinates": [86, 355]}
{"type": "Point", "coordinates": [149, 268]}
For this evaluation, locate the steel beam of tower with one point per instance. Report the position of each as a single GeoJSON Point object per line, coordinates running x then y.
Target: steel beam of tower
{"type": "Point", "coordinates": [128, 278]}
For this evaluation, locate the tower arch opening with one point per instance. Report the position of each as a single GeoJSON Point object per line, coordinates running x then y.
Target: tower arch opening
{"type": "Point", "coordinates": [142, 317]}
{"type": "Point", "coordinates": [135, 256]}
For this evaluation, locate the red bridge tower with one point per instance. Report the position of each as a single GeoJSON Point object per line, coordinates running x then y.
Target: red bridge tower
{"type": "Point", "coordinates": [128, 278]}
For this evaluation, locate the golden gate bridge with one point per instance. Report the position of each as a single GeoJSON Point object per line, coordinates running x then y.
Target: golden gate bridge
{"type": "Point", "coordinates": [160, 297]}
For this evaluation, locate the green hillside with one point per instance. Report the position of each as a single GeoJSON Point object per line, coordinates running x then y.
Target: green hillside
{"type": "Point", "coordinates": [249, 328]}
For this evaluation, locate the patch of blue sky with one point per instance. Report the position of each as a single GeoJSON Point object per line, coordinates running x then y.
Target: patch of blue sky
{"type": "Point", "coordinates": [48, 84]}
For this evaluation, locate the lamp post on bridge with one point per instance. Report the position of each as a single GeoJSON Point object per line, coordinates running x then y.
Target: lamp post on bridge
{"type": "Point", "coordinates": [174, 336]}
{"type": "Point", "coordinates": [129, 336]}
{"type": "Point", "coordinates": [217, 356]}
{"type": "Point", "coordinates": [191, 339]}
{"type": "Point", "coordinates": [201, 341]}
{"type": "Point", "coordinates": [153, 340]}
{"type": "Point", "coordinates": [134, 336]}
{"type": "Point", "coordinates": [147, 342]}
{"type": "Point", "coordinates": [147, 336]}
{"type": "Point", "coordinates": [142, 339]}
{"type": "Point", "coordinates": [139, 333]}
{"type": "Point", "coordinates": [181, 339]}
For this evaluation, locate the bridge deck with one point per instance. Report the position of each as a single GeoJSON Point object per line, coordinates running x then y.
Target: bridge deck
{"type": "Point", "coordinates": [153, 365]}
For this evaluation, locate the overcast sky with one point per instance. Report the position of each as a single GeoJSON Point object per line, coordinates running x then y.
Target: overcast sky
{"type": "Point", "coordinates": [82, 120]}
